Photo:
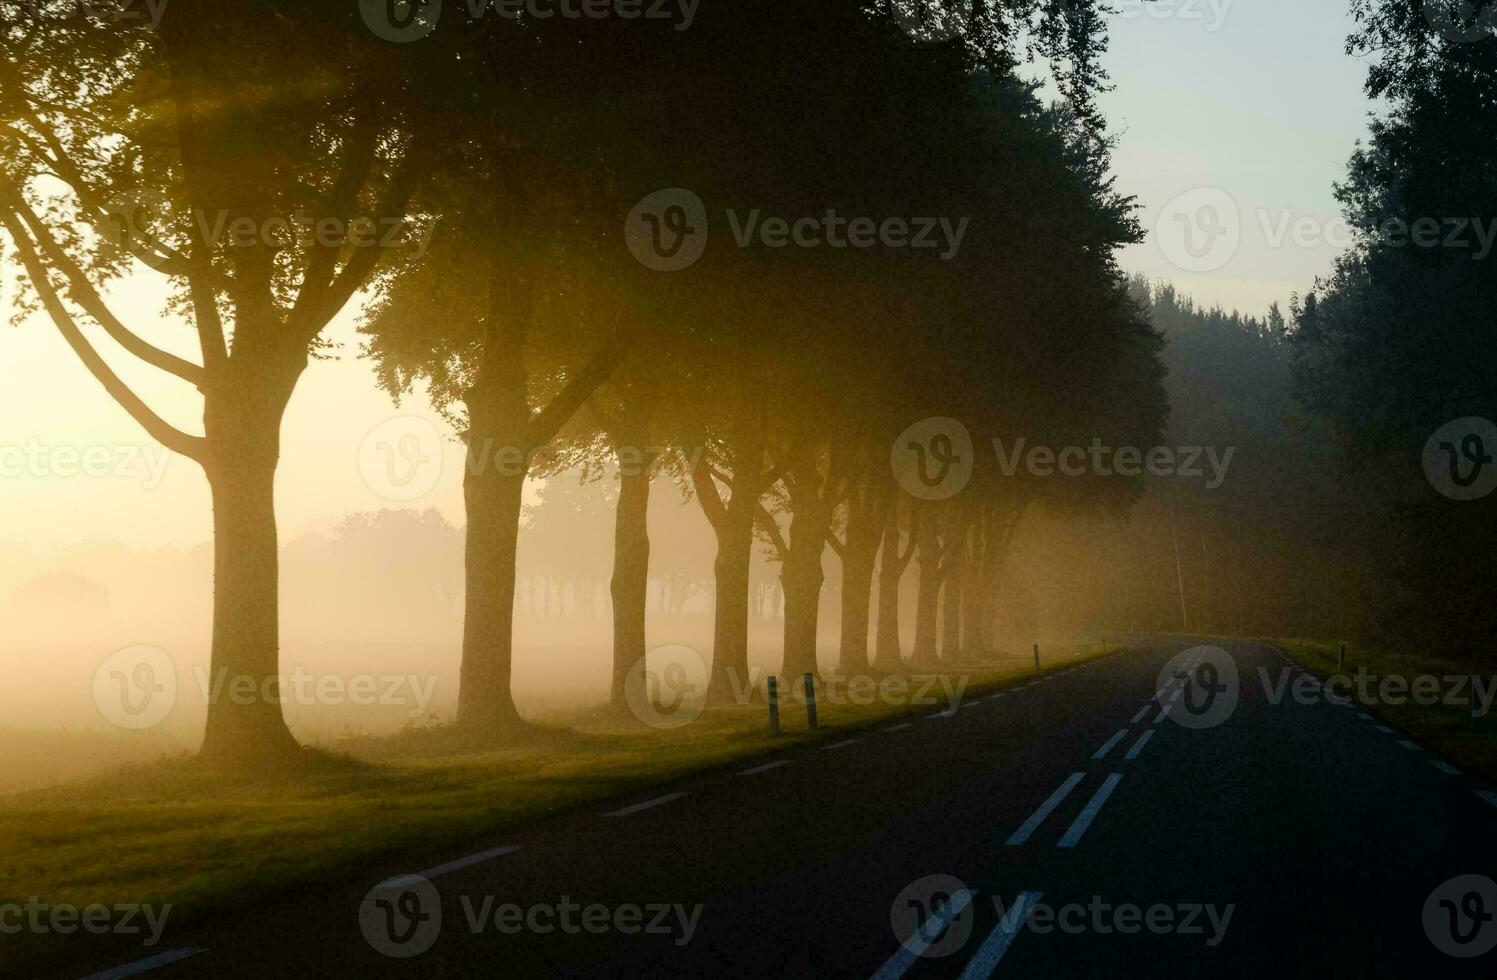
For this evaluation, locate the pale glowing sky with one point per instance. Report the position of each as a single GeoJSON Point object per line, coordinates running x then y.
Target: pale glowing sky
{"type": "Point", "coordinates": [1254, 98]}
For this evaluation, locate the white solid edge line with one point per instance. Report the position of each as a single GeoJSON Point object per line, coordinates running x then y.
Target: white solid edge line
{"type": "Point", "coordinates": [985, 961]}
{"type": "Point", "coordinates": [149, 963]}
{"type": "Point", "coordinates": [1045, 809]}
{"type": "Point", "coordinates": [1089, 813]}
{"type": "Point", "coordinates": [764, 768]}
{"type": "Point", "coordinates": [914, 947]}
{"type": "Point", "coordinates": [635, 808]}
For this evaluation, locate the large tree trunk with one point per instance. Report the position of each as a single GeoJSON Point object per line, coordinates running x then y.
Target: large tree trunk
{"type": "Point", "coordinates": [244, 431]}
{"type": "Point", "coordinates": [733, 524]}
{"type": "Point", "coordinates": [499, 447]}
{"type": "Point", "coordinates": [801, 578]}
{"type": "Point", "coordinates": [952, 590]}
{"type": "Point", "coordinates": [864, 523]}
{"type": "Point", "coordinates": [730, 614]}
{"type": "Point", "coordinates": [887, 655]}
{"type": "Point", "coordinates": [492, 495]}
{"type": "Point", "coordinates": [928, 597]}
{"type": "Point", "coordinates": [974, 597]}
{"type": "Point", "coordinates": [630, 585]}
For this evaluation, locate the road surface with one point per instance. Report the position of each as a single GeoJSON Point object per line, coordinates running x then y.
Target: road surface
{"type": "Point", "coordinates": [1139, 815]}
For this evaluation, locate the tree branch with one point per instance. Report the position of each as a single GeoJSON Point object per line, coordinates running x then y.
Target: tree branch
{"type": "Point", "coordinates": [83, 293]}
{"type": "Point", "coordinates": [194, 447]}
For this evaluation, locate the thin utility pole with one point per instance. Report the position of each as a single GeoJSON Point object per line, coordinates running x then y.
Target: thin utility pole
{"type": "Point", "coordinates": [1179, 578]}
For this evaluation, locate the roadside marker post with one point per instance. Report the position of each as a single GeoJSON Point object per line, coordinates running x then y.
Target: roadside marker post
{"type": "Point", "coordinates": [810, 700]}
{"type": "Point", "coordinates": [1340, 656]}
{"type": "Point", "coordinates": [1036, 656]}
{"type": "Point", "coordinates": [774, 705]}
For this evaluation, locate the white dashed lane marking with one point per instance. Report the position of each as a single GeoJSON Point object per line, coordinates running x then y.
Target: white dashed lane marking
{"type": "Point", "coordinates": [898, 727]}
{"type": "Point", "coordinates": [1089, 813]}
{"type": "Point", "coordinates": [841, 745]}
{"type": "Point", "coordinates": [149, 963]}
{"type": "Point", "coordinates": [1413, 746]}
{"type": "Point", "coordinates": [1445, 767]}
{"type": "Point", "coordinates": [985, 962]}
{"type": "Point", "coordinates": [1138, 746]}
{"type": "Point", "coordinates": [765, 768]}
{"type": "Point", "coordinates": [1141, 712]}
{"type": "Point", "coordinates": [470, 860]}
{"type": "Point", "coordinates": [1045, 809]}
{"type": "Point", "coordinates": [920, 940]}
{"type": "Point", "coordinates": [1162, 712]}
{"type": "Point", "coordinates": [1107, 745]}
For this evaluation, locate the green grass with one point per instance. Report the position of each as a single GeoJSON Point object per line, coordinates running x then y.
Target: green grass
{"type": "Point", "coordinates": [211, 844]}
{"type": "Point", "coordinates": [1451, 730]}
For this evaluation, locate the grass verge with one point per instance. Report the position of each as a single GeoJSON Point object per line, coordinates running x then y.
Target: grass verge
{"type": "Point", "coordinates": [1460, 731]}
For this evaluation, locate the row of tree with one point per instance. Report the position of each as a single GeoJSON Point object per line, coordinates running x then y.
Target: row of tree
{"type": "Point", "coordinates": [776, 379]}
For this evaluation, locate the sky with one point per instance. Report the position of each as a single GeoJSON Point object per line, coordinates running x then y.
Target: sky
{"type": "Point", "coordinates": [1233, 118]}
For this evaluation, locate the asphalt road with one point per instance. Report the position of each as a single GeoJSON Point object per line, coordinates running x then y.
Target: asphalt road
{"type": "Point", "coordinates": [1125, 827]}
